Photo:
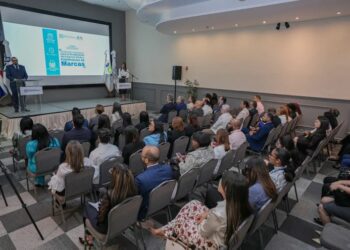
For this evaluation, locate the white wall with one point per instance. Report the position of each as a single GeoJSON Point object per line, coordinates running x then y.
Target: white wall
{"type": "Point", "coordinates": [310, 59]}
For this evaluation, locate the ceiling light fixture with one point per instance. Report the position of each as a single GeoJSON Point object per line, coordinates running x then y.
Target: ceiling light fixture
{"type": "Point", "coordinates": [212, 27]}
{"type": "Point", "coordinates": [193, 30]}
{"type": "Point", "coordinates": [278, 26]}
{"type": "Point", "coordinates": [264, 22]}
{"type": "Point", "coordinates": [338, 13]}
{"type": "Point", "coordinates": [175, 32]}
{"type": "Point", "coordinates": [297, 18]}
{"type": "Point", "coordinates": [236, 25]}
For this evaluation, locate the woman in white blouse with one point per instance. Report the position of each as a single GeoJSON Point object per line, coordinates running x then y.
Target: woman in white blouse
{"type": "Point", "coordinates": [123, 75]}
{"type": "Point", "coordinates": [74, 163]}
{"type": "Point", "coordinates": [203, 228]}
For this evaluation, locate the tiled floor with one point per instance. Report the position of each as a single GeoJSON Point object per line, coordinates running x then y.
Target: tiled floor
{"type": "Point", "coordinates": [16, 231]}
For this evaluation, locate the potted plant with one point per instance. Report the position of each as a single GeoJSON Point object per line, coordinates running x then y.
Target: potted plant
{"type": "Point", "coordinates": [192, 88]}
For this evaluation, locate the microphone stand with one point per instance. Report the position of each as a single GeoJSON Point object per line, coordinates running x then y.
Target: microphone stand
{"type": "Point", "coordinates": [4, 170]}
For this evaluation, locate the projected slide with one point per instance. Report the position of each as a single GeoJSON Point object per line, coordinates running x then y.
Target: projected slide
{"type": "Point", "coordinates": [54, 52]}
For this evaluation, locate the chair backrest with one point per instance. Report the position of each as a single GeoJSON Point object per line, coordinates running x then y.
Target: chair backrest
{"type": "Point", "coordinates": [58, 134]}
{"type": "Point", "coordinates": [86, 147]}
{"type": "Point", "coordinates": [186, 183]}
{"type": "Point", "coordinates": [105, 176]}
{"type": "Point", "coordinates": [143, 133]}
{"type": "Point", "coordinates": [180, 145]}
{"type": "Point", "coordinates": [171, 116]}
{"type": "Point", "coordinates": [117, 124]}
{"type": "Point", "coordinates": [319, 148]}
{"type": "Point", "coordinates": [200, 120]}
{"type": "Point", "coordinates": [226, 162]}
{"type": "Point", "coordinates": [22, 146]}
{"type": "Point", "coordinates": [277, 133]}
{"type": "Point", "coordinates": [121, 141]}
{"type": "Point", "coordinates": [246, 121]}
{"type": "Point", "coordinates": [335, 131]}
{"type": "Point", "coordinates": [122, 216]}
{"type": "Point", "coordinates": [240, 154]}
{"type": "Point", "coordinates": [207, 120]}
{"type": "Point", "coordinates": [261, 216]}
{"type": "Point", "coordinates": [238, 237]}
{"type": "Point", "coordinates": [136, 164]}
{"type": "Point", "coordinates": [183, 113]}
{"type": "Point", "coordinates": [47, 160]}
{"type": "Point", "coordinates": [80, 183]}
{"type": "Point", "coordinates": [160, 197]}
{"type": "Point", "coordinates": [269, 139]}
{"type": "Point", "coordinates": [206, 172]}
{"type": "Point", "coordinates": [254, 120]}
{"type": "Point", "coordinates": [285, 190]}
{"type": "Point", "coordinates": [164, 150]}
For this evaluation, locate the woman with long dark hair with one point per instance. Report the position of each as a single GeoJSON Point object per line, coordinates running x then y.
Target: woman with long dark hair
{"type": "Point", "coordinates": [120, 130]}
{"type": "Point", "coordinates": [40, 140]}
{"type": "Point", "coordinates": [261, 187]}
{"type": "Point", "coordinates": [132, 143]}
{"type": "Point", "coordinates": [197, 226]}
{"type": "Point", "coordinates": [26, 126]}
{"type": "Point", "coordinates": [122, 187]}
{"type": "Point", "coordinates": [157, 135]}
{"type": "Point", "coordinates": [117, 112]}
{"type": "Point", "coordinates": [144, 121]}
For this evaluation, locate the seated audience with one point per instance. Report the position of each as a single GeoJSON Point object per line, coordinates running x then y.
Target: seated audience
{"type": "Point", "coordinates": [332, 116]}
{"type": "Point", "coordinates": [276, 121]}
{"type": "Point", "coordinates": [283, 114]}
{"type": "Point", "coordinates": [335, 203]}
{"type": "Point", "coordinates": [127, 121]}
{"type": "Point", "coordinates": [207, 110]}
{"type": "Point", "coordinates": [222, 121]}
{"type": "Point", "coordinates": [221, 144]}
{"type": "Point", "coordinates": [69, 125]}
{"type": "Point", "coordinates": [169, 106]}
{"type": "Point", "coordinates": [132, 143]}
{"type": "Point", "coordinates": [204, 228]}
{"type": "Point", "coordinates": [103, 122]}
{"type": "Point", "coordinates": [259, 104]}
{"type": "Point", "coordinates": [40, 139]}
{"type": "Point", "coordinates": [197, 109]}
{"type": "Point", "coordinates": [257, 137]}
{"type": "Point", "coordinates": [74, 162]}
{"type": "Point", "coordinates": [202, 153]}
{"type": "Point", "coordinates": [180, 104]}
{"type": "Point", "coordinates": [287, 143]}
{"type": "Point", "coordinates": [103, 152]}
{"type": "Point", "coordinates": [177, 130]}
{"type": "Point", "coordinates": [122, 187]}
{"type": "Point", "coordinates": [281, 172]}
{"type": "Point", "coordinates": [94, 120]}
{"type": "Point", "coordinates": [214, 100]}
{"type": "Point", "coordinates": [244, 113]}
{"type": "Point", "coordinates": [154, 175]}
{"type": "Point", "coordinates": [311, 139]}
{"type": "Point", "coordinates": [157, 135]}
{"type": "Point", "coordinates": [237, 137]}
{"type": "Point", "coordinates": [192, 126]}
{"type": "Point", "coordinates": [253, 108]}
{"type": "Point", "coordinates": [261, 187]}
{"type": "Point", "coordinates": [144, 121]}
{"type": "Point", "coordinates": [78, 133]}
{"type": "Point", "coordinates": [117, 113]}
{"type": "Point", "coordinates": [222, 101]}
{"type": "Point", "coordinates": [190, 102]}
{"type": "Point", "coordinates": [26, 126]}
{"type": "Point", "coordinates": [294, 110]}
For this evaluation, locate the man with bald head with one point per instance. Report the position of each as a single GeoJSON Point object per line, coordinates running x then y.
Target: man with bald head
{"type": "Point", "coordinates": [237, 137]}
{"type": "Point", "coordinates": [154, 174]}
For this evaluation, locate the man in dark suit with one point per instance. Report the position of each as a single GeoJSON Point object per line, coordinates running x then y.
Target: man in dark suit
{"type": "Point", "coordinates": [17, 75]}
{"type": "Point", "coordinates": [154, 175]}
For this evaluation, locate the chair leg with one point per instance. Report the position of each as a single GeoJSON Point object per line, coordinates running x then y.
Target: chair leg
{"type": "Point", "coordinates": [27, 182]}
{"type": "Point", "coordinates": [170, 216]}
{"type": "Point", "coordinates": [3, 196]}
{"type": "Point", "coordinates": [62, 215]}
{"type": "Point", "coordinates": [14, 164]}
{"type": "Point", "coordinates": [261, 239]}
{"type": "Point", "coordinates": [142, 238]}
{"type": "Point", "coordinates": [296, 192]}
{"type": "Point", "coordinates": [136, 238]}
{"type": "Point", "coordinates": [53, 205]}
{"type": "Point", "coordinates": [275, 221]}
{"type": "Point", "coordinates": [288, 206]}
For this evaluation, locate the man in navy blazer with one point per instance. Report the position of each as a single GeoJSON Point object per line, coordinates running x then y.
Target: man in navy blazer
{"type": "Point", "coordinates": [258, 136]}
{"type": "Point", "coordinates": [17, 75]}
{"type": "Point", "coordinates": [154, 175]}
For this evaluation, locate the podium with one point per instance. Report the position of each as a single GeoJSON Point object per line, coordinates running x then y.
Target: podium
{"type": "Point", "coordinates": [33, 90]}
{"type": "Point", "coordinates": [125, 85]}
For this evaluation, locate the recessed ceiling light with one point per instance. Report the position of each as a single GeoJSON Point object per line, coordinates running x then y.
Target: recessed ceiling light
{"type": "Point", "coordinates": [297, 18]}
{"type": "Point", "coordinates": [175, 32]}
{"type": "Point", "coordinates": [264, 22]}
{"type": "Point", "coordinates": [212, 27]}
{"type": "Point", "coordinates": [236, 25]}
{"type": "Point", "coordinates": [338, 13]}
{"type": "Point", "coordinates": [193, 30]}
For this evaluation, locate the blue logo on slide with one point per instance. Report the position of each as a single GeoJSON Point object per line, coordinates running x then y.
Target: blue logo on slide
{"type": "Point", "coordinates": [51, 52]}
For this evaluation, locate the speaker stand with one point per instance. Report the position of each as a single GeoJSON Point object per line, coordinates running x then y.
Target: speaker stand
{"type": "Point", "coordinates": [175, 91]}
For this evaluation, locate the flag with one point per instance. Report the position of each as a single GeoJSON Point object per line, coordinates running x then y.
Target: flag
{"type": "Point", "coordinates": [108, 72]}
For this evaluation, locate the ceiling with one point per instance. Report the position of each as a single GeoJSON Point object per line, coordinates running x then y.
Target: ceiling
{"type": "Point", "coordinates": [186, 16]}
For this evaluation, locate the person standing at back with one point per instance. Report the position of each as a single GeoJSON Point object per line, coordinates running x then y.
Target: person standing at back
{"type": "Point", "coordinates": [260, 105]}
{"type": "Point", "coordinates": [17, 75]}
